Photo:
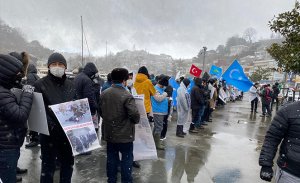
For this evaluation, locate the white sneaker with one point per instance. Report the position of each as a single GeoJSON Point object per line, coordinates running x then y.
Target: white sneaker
{"type": "Point", "coordinates": [162, 139]}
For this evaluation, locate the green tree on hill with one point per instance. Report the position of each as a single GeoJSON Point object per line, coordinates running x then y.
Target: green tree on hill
{"type": "Point", "coordinates": [287, 54]}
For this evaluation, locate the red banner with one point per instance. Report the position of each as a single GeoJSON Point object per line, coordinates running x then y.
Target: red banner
{"type": "Point", "coordinates": [195, 71]}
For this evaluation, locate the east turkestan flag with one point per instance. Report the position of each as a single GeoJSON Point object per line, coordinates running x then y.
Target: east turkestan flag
{"type": "Point", "coordinates": [235, 76]}
{"type": "Point", "coordinates": [217, 71]}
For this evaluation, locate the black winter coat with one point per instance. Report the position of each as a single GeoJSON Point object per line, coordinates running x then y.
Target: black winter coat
{"type": "Point", "coordinates": [276, 91]}
{"type": "Point", "coordinates": [197, 97]}
{"type": "Point", "coordinates": [13, 118]}
{"type": "Point", "coordinates": [55, 90]}
{"type": "Point", "coordinates": [85, 88]}
{"type": "Point", "coordinates": [119, 113]}
{"type": "Point", "coordinates": [13, 113]}
{"type": "Point", "coordinates": [284, 129]}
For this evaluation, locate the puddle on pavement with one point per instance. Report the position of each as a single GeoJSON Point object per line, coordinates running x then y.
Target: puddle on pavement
{"type": "Point", "coordinates": [228, 156]}
{"type": "Point", "coordinates": [227, 176]}
{"type": "Point", "coordinates": [245, 122]}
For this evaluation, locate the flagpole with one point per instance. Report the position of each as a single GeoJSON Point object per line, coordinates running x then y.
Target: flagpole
{"type": "Point", "coordinates": [204, 52]}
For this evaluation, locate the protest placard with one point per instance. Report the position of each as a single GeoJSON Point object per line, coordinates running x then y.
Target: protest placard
{"type": "Point", "coordinates": [143, 146]}
{"type": "Point", "coordinates": [37, 120]}
{"type": "Point", "coordinates": [222, 95]}
{"type": "Point", "coordinates": [76, 120]}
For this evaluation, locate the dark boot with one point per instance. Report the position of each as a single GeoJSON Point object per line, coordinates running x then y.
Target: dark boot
{"type": "Point", "coordinates": [178, 131]}
{"type": "Point", "coordinates": [192, 128]}
{"type": "Point", "coordinates": [157, 141]}
{"type": "Point", "coordinates": [32, 144]}
{"type": "Point", "coordinates": [21, 171]}
{"type": "Point", "coordinates": [19, 179]}
{"type": "Point", "coordinates": [181, 129]}
{"type": "Point", "coordinates": [136, 164]}
{"type": "Point", "coordinates": [200, 127]}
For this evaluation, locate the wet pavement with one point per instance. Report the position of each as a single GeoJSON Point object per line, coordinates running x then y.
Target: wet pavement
{"type": "Point", "coordinates": [225, 152]}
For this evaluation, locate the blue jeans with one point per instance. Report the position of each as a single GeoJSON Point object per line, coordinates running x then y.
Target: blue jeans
{"type": "Point", "coordinates": [197, 116]}
{"type": "Point", "coordinates": [8, 164]}
{"type": "Point", "coordinates": [201, 115]}
{"type": "Point", "coordinates": [113, 161]}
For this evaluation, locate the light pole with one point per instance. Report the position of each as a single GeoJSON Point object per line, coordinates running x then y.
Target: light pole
{"type": "Point", "coordinates": [81, 41]}
{"type": "Point", "coordinates": [204, 53]}
{"type": "Point", "coordinates": [105, 51]}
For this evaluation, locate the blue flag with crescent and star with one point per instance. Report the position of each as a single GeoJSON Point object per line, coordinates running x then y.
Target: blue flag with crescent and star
{"type": "Point", "coordinates": [175, 86]}
{"type": "Point", "coordinates": [235, 76]}
{"type": "Point", "coordinates": [217, 71]}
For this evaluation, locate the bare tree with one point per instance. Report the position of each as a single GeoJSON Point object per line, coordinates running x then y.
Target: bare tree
{"type": "Point", "coordinates": [249, 34]}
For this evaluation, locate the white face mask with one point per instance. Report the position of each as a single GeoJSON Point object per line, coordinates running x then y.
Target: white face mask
{"type": "Point", "coordinates": [57, 71]}
{"type": "Point", "coordinates": [129, 82]}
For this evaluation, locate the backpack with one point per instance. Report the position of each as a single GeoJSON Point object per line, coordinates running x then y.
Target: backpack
{"type": "Point", "coordinates": [268, 94]}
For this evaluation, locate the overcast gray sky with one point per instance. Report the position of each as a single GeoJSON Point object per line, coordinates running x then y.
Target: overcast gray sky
{"type": "Point", "coordinates": [179, 28]}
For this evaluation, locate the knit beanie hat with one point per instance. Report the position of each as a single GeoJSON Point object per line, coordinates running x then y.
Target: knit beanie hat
{"type": "Point", "coordinates": [186, 82]}
{"type": "Point", "coordinates": [118, 75]}
{"type": "Point", "coordinates": [164, 81]}
{"type": "Point", "coordinates": [57, 57]}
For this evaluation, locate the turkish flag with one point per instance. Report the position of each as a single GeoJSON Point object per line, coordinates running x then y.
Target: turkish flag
{"type": "Point", "coordinates": [195, 71]}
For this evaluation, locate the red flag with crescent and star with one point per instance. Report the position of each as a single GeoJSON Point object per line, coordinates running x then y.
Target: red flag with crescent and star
{"type": "Point", "coordinates": [195, 71]}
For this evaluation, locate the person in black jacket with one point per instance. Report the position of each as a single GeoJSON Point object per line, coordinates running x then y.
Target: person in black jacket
{"type": "Point", "coordinates": [85, 88]}
{"type": "Point", "coordinates": [97, 85]}
{"type": "Point", "coordinates": [276, 92]}
{"type": "Point", "coordinates": [197, 105]}
{"type": "Point", "coordinates": [24, 58]}
{"type": "Point", "coordinates": [32, 77]}
{"type": "Point", "coordinates": [13, 117]}
{"type": "Point", "coordinates": [56, 89]}
{"type": "Point", "coordinates": [284, 129]}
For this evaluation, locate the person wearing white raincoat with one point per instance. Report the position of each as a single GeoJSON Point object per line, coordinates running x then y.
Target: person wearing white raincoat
{"type": "Point", "coordinates": [254, 97]}
{"type": "Point", "coordinates": [183, 106]}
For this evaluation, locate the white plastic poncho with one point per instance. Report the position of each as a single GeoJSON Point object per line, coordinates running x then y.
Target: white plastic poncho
{"type": "Point", "coordinates": [183, 104]}
{"type": "Point", "coordinates": [253, 93]}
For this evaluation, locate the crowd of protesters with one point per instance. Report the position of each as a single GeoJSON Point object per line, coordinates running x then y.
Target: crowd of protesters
{"type": "Point", "coordinates": [113, 102]}
{"type": "Point", "coordinates": [106, 100]}
{"type": "Point", "coordinates": [284, 131]}
{"type": "Point", "coordinates": [267, 95]}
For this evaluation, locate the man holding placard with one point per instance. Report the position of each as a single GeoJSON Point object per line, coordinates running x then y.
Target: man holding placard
{"type": "Point", "coordinates": [56, 89]}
